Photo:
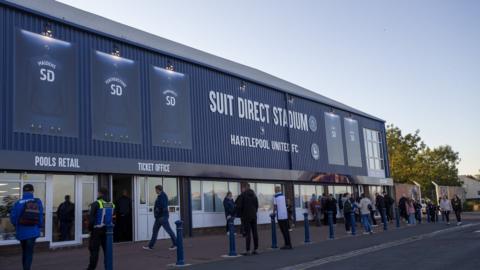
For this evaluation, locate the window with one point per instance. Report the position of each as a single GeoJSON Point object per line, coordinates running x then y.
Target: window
{"type": "Point", "coordinates": [265, 193]}
{"type": "Point", "coordinates": [374, 149]}
{"type": "Point", "coordinates": [303, 194]}
{"type": "Point", "coordinates": [196, 195]}
{"type": "Point", "coordinates": [207, 196]}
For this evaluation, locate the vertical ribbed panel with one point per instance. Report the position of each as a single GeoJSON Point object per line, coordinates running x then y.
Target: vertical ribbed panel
{"type": "Point", "coordinates": [211, 131]}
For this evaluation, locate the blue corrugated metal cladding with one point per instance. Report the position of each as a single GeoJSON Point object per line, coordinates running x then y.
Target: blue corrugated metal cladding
{"type": "Point", "coordinates": [211, 131]}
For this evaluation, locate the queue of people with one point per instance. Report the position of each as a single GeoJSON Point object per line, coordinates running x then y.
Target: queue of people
{"type": "Point", "coordinates": [27, 216]}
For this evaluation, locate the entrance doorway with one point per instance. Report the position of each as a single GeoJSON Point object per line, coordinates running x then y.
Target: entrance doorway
{"type": "Point", "coordinates": [145, 201]}
{"type": "Point", "coordinates": [122, 186]}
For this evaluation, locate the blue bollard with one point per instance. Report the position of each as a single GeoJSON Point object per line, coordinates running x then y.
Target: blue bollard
{"type": "Point", "coordinates": [384, 218]}
{"type": "Point", "coordinates": [397, 217]}
{"type": "Point", "coordinates": [307, 229]}
{"type": "Point", "coordinates": [109, 247]}
{"type": "Point", "coordinates": [274, 231]}
{"type": "Point", "coordinates": [330, 225]}
{"type": "Point", "coordinates": [352, 223]}
{"type": "Point", "coordinates": [180, 257]}
{"type": "Point", "coordinates": [231, 236]}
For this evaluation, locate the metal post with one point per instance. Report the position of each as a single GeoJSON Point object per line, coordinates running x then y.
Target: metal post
{"type": "Point", "coordinates": [180, 257]}
{"type": "Point", "coordinates": [307, 229]}
{"type": "Point", "coordinates": [274, 231]}
{"type": "Point", "coordinates": [352, 223]}
{"type": "Point", "coordinates": [384, 218]}
{"type": "Point", "coordinates": [397, 217]}
{"type": "Point", "coordinates": [330, 225]}
{"type": "Point", "coordinates": [109, 247]}
{"type": "Point", "coordinates": [232, 252]}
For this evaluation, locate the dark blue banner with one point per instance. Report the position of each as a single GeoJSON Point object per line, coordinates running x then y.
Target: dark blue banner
{"type": "Point", "coordinates": [170, 107]}
{"type": "Point", "coordinates": [115, 99]}
{"type": "Point", "coordinates": [45, 98]}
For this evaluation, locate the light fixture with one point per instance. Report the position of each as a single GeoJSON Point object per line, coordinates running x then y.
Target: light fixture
{"type": "Point", "coordinates": [116, 51]}
{"type": "Point", "coordinates": [243, 86]}
{"type": "Point", "coordinates": [169, 66]}
{"type": "Point", "coordinates": [47, 30]}
{"type": "Point", "coordinates": [290, 98]}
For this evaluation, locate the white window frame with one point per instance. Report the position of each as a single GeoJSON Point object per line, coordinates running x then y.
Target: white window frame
{"type": "Point", "coordinates": [373, 141]}
{"type": "Point", "coordinates": [202, 201]}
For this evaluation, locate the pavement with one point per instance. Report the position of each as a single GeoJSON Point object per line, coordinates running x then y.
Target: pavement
{"type": "Point", "coordinates": [205, 252]}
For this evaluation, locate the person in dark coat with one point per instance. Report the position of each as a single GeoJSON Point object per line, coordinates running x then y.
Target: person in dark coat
{"type": "Point", "coordinates": [229, 207]}
{"type": "Point", "coordinates": [380, 205]}
{"type": "Point", "coordinates": [402, 208]}
{"type": "Point", "coordinates": [323, 206]}
{"type": "Point", "coordinates": [332, 207]}
{"type": "Point", "coordinates": [389, 201]}
{"type": "Point", "coordinates": [238, 211]}
{"type": "Point", "coordinates": [66, 217]}
{"type": "Point", "coordinates": [457, 208]}
{"type": "Point", "coordinates": [123, 225]}
{"type": "Point", "coordinates": [249, 207]}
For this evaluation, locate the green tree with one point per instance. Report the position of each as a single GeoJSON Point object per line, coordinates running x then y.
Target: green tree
{"type": "Point", "coordinates": [412, 160]}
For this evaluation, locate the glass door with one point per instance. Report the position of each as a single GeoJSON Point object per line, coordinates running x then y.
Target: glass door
{"type": "Point", "coordinates": [63, 210]}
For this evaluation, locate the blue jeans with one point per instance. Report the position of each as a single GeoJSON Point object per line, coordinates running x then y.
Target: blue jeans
{"type": "Point", "coordinates": [27, 252]}
{"type": "Point", "coordinates": [159, 222]}
{"type": "Point", "coordinates": [411, 219]}
{"type": "Point", "coordinates": [366, 222]}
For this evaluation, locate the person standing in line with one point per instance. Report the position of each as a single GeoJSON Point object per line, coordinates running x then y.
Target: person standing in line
{"type": "Point", "coordinates": [364, 207]}
{"type": "Point", "coordinates": [418, 211]}
{"type": "Point", "coordinates": [249, 208]}
{"type": "Point", "coordinates": [239, 211]}
{"type": "Point", "coordinates": [402, 207]}
{"type": "Point", "coordinates": [101, 214]}
{"type": "Point", "coordinates": [410, 207]}
{"type": "Point", "coordinates": [324, 204]}
{"type": "Point", "coordinates": [347, 211]}
{"type": "Point", "coordinates": [161, 219]}
{"type": "Point", "coordinates": [27, 218]}
{"type": "Point", "coordinates": [66, 217]}
{"type": "Point", "coordinates": [457, 208]}
{"type": "Point", "coordinates": [291, 221]}
{"type": "Point", "coordinates": [380, 204]}
{"type": "Point", "coordinates": [332, 207]}
{"type": "Point", "coordinates": [280, 210]}
{"type": "Point", "coordinates": [314, 209]}
{"type": "Point", "coordinates": [389, 201]}
{"type": "Point", "coordinates": [446, 208]}
{"type": "Point", "coordinates": [229, 207]}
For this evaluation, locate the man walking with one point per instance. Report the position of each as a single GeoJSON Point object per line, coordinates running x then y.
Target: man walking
{"type": "Point", "coordinates": [27, 217]}
{"type": "Point", "coordinates": [248, 205]}
{"type": "Point", "coordinates": [161, 219]}
{"type": "Point", "coordinates": [101, 214]}
{"type": "Point", "coordinates": [280, 210]}
{"type": "Point", "coordinates": [457, 208]}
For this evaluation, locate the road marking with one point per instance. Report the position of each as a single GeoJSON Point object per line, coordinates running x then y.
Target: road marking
{"type": "Point", "coordinates": [363, 251]}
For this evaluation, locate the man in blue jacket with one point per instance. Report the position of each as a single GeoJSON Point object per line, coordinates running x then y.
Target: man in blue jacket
{"type": "Point", "coordinates": [161, 219]}
{"type": "Point", "coordinates": [27, 217]}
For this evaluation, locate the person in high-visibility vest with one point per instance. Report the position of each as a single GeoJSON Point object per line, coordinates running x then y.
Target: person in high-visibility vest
{"type": "Point", "coordinates": [101, 214]}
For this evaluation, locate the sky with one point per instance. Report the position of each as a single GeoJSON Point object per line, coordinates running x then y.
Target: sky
{"type": "Point", "coordinates": [415, 64]}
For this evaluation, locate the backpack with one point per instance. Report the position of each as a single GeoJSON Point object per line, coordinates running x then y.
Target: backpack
{"type": "Point", "coordinates": [30, 215]}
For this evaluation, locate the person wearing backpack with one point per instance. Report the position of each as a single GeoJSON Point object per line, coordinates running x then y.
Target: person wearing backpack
{"type": "Point", "coordinates": [27, 217]}
{"type": "Point", "coordinates": [347, 211]}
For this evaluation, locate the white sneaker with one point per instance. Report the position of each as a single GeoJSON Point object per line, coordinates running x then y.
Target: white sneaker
{"type": "Point", "coordinates": [147, 248]}
{"type": "Point", "coordinates": [172, 248]}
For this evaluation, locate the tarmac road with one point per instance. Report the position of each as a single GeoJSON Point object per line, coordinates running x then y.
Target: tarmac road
{"type": "Point", "coordinates": [426, 246]}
